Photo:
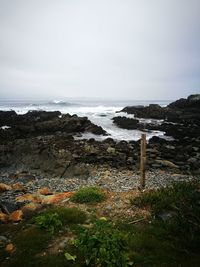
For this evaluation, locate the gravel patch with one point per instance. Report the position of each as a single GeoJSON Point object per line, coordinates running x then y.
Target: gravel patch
{"type": "Point", "coordinates": [109, 179]}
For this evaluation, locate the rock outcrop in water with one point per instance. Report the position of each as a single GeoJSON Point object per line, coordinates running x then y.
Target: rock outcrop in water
{"type": "Point", "coordinates": [180, 110]}
{"type": "Point", "coordinates": [126, 123]}
{"type": "Point", "coordinates": [181, 118]}
{"type": "Point", "coordinates": [153, 111]}
{"type": "Point", "coordinates": [36, 123]}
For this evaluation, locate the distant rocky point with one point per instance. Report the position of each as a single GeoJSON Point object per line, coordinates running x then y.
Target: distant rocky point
{"type": "Point", "coordinates": [180, 118]}
{"type": "Point", "coordinates": [175, 111]}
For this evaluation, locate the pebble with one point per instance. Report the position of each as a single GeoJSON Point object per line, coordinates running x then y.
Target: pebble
{"type": "Point", "coordinates": [108, 179]}
{"type": "Point", "coordinates": [3, 239]}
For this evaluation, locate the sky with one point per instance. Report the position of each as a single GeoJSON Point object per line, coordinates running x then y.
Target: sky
{"type": "Point", "coordinates": [112, 49]}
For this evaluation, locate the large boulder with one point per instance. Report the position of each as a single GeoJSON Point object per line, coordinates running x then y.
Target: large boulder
{"type": "Point", "coordinates": [153, 111]}
{"type": "Point", "coordinates": [126, 123]}
{"type": "Point", "coordinates": [193, 101]}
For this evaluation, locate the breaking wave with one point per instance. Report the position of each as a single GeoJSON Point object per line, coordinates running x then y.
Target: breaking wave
{"type": "Point", "coordinates": [60, 103]}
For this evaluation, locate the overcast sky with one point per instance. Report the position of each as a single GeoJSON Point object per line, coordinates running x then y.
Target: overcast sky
{"type": "Point", "coordinates": [122, 49]}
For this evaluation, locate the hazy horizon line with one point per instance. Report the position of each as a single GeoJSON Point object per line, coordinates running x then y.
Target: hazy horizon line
{"type": "Point", "coordinates": [77, 98]}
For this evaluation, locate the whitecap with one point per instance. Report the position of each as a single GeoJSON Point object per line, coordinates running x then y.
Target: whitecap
{"type": "Point", "coordinates": [5, 127]}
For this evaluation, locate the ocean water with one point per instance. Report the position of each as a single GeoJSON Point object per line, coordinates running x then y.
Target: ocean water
{"type": "Point", "coordinates": [99, 112]}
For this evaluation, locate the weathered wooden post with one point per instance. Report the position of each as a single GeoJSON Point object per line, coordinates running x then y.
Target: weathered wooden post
{"type": "Point", "coordinates": [142, 161]}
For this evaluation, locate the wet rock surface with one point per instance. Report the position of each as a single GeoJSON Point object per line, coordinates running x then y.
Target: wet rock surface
{"type": "Point", "coordinates": [61, 155]}
{"type": "Point", "coordinates": [181, 121]}
{"type": "Point", "coordinates": [36, 123]}
{"type": "Point", "coordinates": [176, 111]}
{"type": "Point", "coordinates": [153, 111]}
{"type": "Point", "coordinates": [126, 123]}
{"type": "Point", "coordinates": [42, 144]}
{"type": "Point", "coordinates": [181, 118]}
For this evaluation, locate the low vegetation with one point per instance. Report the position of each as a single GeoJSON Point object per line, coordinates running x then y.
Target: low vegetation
{"type": "Point", "coordinates": [103, 245]}
{"type": "Point", "coordinates": [177, 195]}
{"type": "Point", "coordinates": [29, 242]}
{"type": "Point", "coordinates": [66, 215]}
{"type": "Point", "coordinates": [169, 237]}
{"type": "Point", "coordinates": [88, 195]}
{"type": "Point", "coordinates": [50, 222]}
{"type": "Point", "coordinates": [177, 207]}
{"type": "Point", "coordinates": [53, 219]}
{"type": "Point", "coordinates": [32, 238]}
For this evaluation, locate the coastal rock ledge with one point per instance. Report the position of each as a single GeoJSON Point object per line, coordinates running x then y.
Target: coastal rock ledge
{"type": "Point", "coordinates": [43, 143]}
{"type": "Point", "coordinates": [37, 123]}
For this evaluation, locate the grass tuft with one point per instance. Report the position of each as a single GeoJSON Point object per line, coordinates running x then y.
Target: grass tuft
{"type": "Point", "coordinates": [88, 195]}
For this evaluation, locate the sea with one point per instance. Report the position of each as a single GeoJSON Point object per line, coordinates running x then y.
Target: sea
{"type": "Point", "coordinates": [100, 112]}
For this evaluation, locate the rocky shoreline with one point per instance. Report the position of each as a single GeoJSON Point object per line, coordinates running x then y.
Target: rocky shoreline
{"type": "Point", "coordinates": [38, 150]}
{"type": "Point", "coordinates": [180, 120]}
{"type": "Point", "coordinates": [43, 142]}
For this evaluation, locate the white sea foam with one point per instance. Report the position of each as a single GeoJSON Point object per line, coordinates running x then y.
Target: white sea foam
{"type": "Point", "coordinates": [5, 127]}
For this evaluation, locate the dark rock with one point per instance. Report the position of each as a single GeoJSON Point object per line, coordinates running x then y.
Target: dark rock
{"type": "Point", "coordinates": [10, 206]}
{"type": "Point", "coordinates": [7, 117]}
{"type": "Point", "coordinates": [193, 101]}
{"type": "Point", "coordinates": [182, 111]}
{"type": "Point", "coordinates": [153, 111]}
{"type": "Point", "coordinates": [44, 142]}
{"type": "Point", "coordinates": [79, 170]}
{"type": "Point", "coordinates": [181, 103]}
{"type": "Point", "coordinates": [98, 130]}
{"type": "Point", "coordinates": [156, 139]}
{"type": "Point", "coordinates": [108, 141]}
{"type": "Point", "coordinates": [11, 118]}
{"type": "Point", "coordinates": [126, 123]}
{"type": "Point", "coordinates": [37, 123]}
{"type": "Point", "coordinates": [36, 116]}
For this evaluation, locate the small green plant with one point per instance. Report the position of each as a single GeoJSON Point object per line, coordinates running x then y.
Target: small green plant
{"type": "Point", "coordinates": [103, 245]}
{"type": "Point", "coordinates": [88, 195]}
{"type": "Point", "coordinates": [48, 221]}
{"type": "Point", "coordinates": [54, 218]}
{"type": "Point", "coordinates": [70, 257]}
{"type": "Point", "coordinates": [68, 215]}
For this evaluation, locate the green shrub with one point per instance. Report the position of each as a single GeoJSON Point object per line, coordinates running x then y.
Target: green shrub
{"type": "Point", "coordinates": [103, 245]}
{"type": "Point", "coordinates": [178, 195]}
{"type": "Point", "coordinates": [180, 202]}
{"type": "Point", "coordinates": [68, 215]}
{"type": "Point", "coordinates": [48, 221]}
{"type": "Point", "coordinates": [88, 195]}
{"type": "Point", "coordinates": [54, 218]}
